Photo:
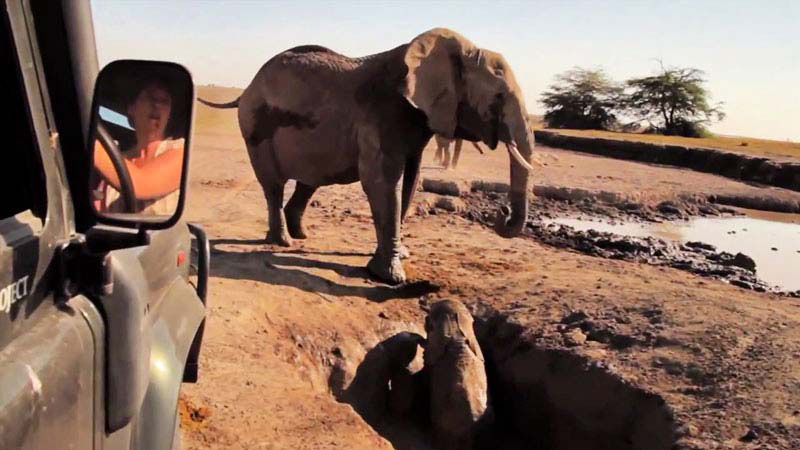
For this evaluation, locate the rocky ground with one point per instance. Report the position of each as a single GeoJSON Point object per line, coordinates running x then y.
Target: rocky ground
{"type": "Point", "coordinates": [622, 352]}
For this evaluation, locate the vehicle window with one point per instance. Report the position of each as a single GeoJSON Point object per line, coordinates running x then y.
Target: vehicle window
{"type": "Point", "coordinates": [22, 182]}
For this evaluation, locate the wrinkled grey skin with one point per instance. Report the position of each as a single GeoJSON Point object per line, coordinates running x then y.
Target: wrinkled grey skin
{"type": "Point", "coordinates": [322, 118]}
{"type": "Point", "coordinates": [443, 151]}
{"type": "Point", "coordinates": [459, 391]}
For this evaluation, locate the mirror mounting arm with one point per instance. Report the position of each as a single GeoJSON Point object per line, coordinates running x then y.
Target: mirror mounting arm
{"type": "Point", "coordinates": [104, 240]}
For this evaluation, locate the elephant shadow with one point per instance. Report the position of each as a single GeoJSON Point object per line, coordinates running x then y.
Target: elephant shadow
{"type": "Point", "coordinates": [290, 268]}
{"type": "Point", "coordinates": [370, 392]}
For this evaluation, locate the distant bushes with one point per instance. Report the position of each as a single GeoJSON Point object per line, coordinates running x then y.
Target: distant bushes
{"type": "Point", "coordinates": [671, 102]}
{"type": "Point", "coordinates": [582, 99]}
{"type": "Point", "coordinates": [681, 128]}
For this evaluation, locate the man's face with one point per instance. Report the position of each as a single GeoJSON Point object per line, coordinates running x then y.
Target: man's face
{"type": "Point", "coordinates": [149, 113]}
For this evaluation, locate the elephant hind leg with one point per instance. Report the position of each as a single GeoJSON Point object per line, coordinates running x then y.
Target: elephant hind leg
{"type": "Point", "coordinates": [277, 233]}
{"type": "Point", "coordinates": [295, 209]}
{"type": "Point", "coordinates": [262, 158]}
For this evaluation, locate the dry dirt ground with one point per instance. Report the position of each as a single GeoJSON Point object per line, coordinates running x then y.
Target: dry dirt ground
{"type": "Point", "coordinates": [781, 150]}
{"type": "Point", "coordinates": [288, 327]}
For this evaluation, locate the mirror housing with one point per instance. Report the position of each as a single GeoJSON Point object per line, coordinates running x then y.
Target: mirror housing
{"type": "Point", "coordinates": [139, 143]}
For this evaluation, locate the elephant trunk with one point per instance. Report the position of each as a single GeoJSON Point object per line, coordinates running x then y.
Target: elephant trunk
{"type": "Point", "coordinates": [509, 225]}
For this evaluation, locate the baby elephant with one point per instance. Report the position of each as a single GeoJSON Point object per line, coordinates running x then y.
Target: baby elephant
{"type": "Point", "coordinates": [443, 150]}
{"type": "Point", "coordinates": [459, 397]}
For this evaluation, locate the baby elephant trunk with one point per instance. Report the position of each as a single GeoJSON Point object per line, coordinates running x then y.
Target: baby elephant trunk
{"type": "Point", "coordinates": [459, 393]}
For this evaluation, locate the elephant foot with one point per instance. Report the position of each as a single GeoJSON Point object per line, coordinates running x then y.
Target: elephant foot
{"type": "Point", "coordinates": [282, 238]}
{"type": "Point", "coordinates": [403, 252]}
{"type": "Point", "coordinates": [386, 269]}
{"type": "Point", "coordinates": [296, 229]}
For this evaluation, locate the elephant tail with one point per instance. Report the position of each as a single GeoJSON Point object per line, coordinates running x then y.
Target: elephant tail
{"type": "Point", "coordinates": [231, 104]}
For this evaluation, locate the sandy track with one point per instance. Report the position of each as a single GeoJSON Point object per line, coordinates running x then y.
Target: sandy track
{"type": "Point", "coordinates": [282, 320]}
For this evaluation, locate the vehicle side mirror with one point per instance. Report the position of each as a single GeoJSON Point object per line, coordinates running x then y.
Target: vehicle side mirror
{"type": "Point", "coordinates": [139, 141]}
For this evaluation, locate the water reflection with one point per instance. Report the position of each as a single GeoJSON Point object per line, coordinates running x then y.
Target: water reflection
{"type": "Point", "coordinates": [774, 245]}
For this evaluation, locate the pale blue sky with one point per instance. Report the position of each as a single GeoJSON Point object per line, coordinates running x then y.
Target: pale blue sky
{"type": "Point", "coordinates": [750, 50]}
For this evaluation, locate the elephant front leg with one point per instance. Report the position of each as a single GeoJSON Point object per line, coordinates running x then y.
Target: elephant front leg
{"type": "Point", "coordinates": [295, 209]}
{"type": "Point", "coordinates": [410, 184]}
{"type": "Point", "coordinates": [384, 201]}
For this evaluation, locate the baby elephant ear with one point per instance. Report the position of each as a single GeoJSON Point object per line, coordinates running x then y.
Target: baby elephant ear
{"type": "Point", "coordinates": [435, 60]}
{"type": "Point", "coordinates": [465, 326]}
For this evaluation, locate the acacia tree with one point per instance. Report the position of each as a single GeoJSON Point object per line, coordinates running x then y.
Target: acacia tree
{"type": "Point", "coordinates": [674, 102]}
{"type": "Point", "coordinates": [582, 99]}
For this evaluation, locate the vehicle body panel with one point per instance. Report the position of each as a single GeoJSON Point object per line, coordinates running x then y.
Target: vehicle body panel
{"type": "Point", "coordinates": [45, 396]}
{"type": "Point", "coordinates": [60, 356]}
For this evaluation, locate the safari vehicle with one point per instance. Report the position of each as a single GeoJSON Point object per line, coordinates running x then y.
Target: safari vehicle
{"type": "Point", "coordinates": [99, 320]}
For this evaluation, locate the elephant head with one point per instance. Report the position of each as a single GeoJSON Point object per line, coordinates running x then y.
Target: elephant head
{"type": "Point", "coordinates": [448, 322]}
{"type": "Point", "coordinates": [471, 93]}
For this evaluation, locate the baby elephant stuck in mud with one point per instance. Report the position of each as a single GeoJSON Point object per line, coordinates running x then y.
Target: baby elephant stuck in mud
{"type": "Point", "coordinates": [454, 365]}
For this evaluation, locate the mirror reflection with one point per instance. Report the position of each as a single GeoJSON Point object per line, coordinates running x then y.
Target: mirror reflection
{"type": "Point", "coordinates": [140, 135]}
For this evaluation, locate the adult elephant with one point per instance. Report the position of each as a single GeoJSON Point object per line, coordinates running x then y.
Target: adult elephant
{"type": "Point", "coordinates": [321, 118]}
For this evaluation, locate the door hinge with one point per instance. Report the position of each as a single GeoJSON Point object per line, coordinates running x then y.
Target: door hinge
{"type": "Point", "coordinates": [80, 271]}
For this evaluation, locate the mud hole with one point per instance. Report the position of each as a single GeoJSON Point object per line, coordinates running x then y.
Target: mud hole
{"type": "Point", "coordinates": [543, 396]}
{"type": "Point", "coordinates": [552, 398]}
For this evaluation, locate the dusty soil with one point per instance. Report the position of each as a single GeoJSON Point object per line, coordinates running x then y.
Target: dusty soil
{"type": "Point", "coordinates": [288, 328]}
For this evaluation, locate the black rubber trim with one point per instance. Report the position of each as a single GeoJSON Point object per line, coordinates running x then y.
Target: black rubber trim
{"type": "Point", "coordinates": [203, 260]}
{"type": "Point", "coordinates": [190, 371]}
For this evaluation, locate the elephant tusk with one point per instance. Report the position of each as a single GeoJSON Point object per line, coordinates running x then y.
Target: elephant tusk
{"type": "Point", "coordinates": [512, 148]}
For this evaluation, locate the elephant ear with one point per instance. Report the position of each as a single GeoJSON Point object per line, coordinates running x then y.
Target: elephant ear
{"type": "Point", "coordinates": [435, 60]}
{"type": "Point", "coordinates": [465, 328]}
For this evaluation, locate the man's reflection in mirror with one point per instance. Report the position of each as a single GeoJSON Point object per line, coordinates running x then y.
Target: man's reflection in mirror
{"type": "Point", "coordinates": [154, 159]}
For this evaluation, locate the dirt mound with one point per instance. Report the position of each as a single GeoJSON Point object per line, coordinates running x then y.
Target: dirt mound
{"type": "Point", "coordinates": [739, 166]}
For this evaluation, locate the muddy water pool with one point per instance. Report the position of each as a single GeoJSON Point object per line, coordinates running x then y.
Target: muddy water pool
{"type": "Point", "coordinates": [772, 240]}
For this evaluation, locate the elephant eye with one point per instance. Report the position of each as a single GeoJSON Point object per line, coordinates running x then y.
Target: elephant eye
{"type": "Point", "coordinates": [499, 69]}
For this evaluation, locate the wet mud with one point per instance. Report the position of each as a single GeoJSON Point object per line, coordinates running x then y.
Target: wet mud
{"type": "Point", "coordinates": [696, 257]}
